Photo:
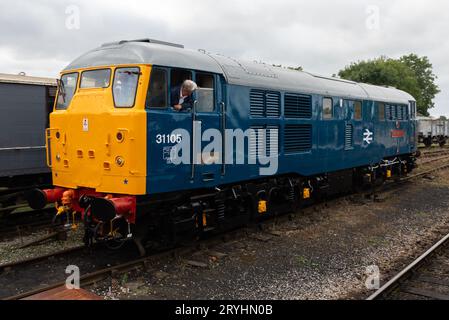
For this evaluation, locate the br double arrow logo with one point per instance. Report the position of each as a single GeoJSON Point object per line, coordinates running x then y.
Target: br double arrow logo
{"type": "Point", "coordinates": [368, 136]}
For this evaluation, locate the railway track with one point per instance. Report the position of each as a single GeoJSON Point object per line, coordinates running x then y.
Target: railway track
{"type": "Point", "coordinates": [434, 153]}
{"type": "Point", "coordinates": [417, 280]}
{"type": "Point", "coordinates": [115, 270]}
{"type": "Point", "coordinates": [103, 273]}
{"type": "Point", "coordinates": [396, 183]}
{"type": "Point", "coordinates": [7, 267]}
{"type": "Point", "coordinates": [24, 230]}
{"type": "Point", "coordinates": [433, 147]}
{"type": "Point", "coordinates": [425, 278]}
{"type": "Point", "coordinates": [424, 173]}
{"type": "Point", "coordinates": [96, 276]}
{"type": "Point", "coordinates": [433, 159]}
{"type": "Point", "coordinates": [25, 222]}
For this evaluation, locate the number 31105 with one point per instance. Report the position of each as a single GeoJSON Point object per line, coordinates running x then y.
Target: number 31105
{"type": "Point", "coordinates": [168, 138]}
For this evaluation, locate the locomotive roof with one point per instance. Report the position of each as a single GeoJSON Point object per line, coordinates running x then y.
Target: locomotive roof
{"type": "Point", "coordinates": [23, 79]}
{"type": "Point", "coordinates": [258, 75]}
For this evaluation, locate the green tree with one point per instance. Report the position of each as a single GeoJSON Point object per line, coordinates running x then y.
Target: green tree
{"type": "Point", "coordinates": [426, 79]}
{"type": "Point", "coordinates": [409, 73]}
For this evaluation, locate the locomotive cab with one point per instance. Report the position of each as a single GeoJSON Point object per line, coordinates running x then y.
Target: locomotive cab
{"type": "Point", "coordinates": [106, 122]}
{"type": "Point", "coordinates": [97, 130]}
{"type": "Point", "coordinates": [111, 132]}
{"type": "Point", "coordinates": [96, 146]}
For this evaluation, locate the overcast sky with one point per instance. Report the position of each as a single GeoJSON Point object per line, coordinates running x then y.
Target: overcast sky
{"type": "Point", "coordinates": [41, 37]}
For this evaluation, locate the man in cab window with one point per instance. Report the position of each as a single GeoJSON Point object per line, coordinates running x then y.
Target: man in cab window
{"type": "Point", "coordinates": [182, 96]}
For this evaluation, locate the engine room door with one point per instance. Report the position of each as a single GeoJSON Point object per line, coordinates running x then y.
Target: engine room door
{"type": "Point", "coordinates": [208, 131]}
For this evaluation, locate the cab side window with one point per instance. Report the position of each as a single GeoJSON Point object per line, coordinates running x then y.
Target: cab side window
{"type": "Point", "coordinates": [95, 79]}
{"type": "Point", "coordinates": [412, 110]}
{"type": "Point", "coordinates": [357, 110]}
{"type": "Point", "coordinates": [327, 108]}
{"type": "Point", "coordinates": [66, 91]}
{"type": "Point", "coordinates": [381, 111]}
{"type": "Point", "coordinates": [124, 88]}
{"type": "Point", "coordinates": [205, 92]}
{"type": "Point", "coordinates": [177, 77]}
{"type": "Point", "coordinates": [157, 96]}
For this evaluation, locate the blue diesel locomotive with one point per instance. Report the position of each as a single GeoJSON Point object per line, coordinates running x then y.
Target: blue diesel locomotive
{"type": "Point", "coordinates": [259, 140]}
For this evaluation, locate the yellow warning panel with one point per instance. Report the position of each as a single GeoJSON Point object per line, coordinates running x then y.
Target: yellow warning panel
{"type": "Point", "coordinates": [93, 143]}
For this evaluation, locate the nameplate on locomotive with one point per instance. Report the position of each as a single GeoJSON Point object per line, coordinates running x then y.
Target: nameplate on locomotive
{"type": "Point", "coordinates": [397, 133]}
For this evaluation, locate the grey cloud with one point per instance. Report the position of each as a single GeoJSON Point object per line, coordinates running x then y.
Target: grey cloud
{"type": "Point", "coordinates": [322, 36]}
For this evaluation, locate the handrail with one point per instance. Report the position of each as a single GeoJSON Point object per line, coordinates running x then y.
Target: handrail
{"type": "Point", "coordinates": [48, 146]}
{"type": "Point", "coordinates": [22, 148]}
{"type": "Point", "coordinates": [223, 134]}
{"type": "Point", "coordinates": [193, 149]}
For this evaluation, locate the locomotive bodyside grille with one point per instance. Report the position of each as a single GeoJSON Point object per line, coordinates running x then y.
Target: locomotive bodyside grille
{"type": "Point", "coordinates": [400, 115]}
{"type": "Point", "coordinates": [388, 112]}
{"type": "Point", "coordinates": [253, 142]}
{"type": "Point", "coordinates": [349, 131]}
{"type": "Point", "coordinates": [265, 148]}
{"type": "Point", "coordinates": [272, 144]}
{"type": "Point", "coordinates": [273, 104]}
{"type": "Point", "coordinates": [257, 103]}
{"type": "Point", "coordinates": [297, 138]}
{"type": "Point", "coordinates": [298, 106]}
{"type": "Point", "coordinates": [265, 104]}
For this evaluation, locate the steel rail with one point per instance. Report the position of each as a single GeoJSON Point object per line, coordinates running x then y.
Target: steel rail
{"type": "Point", "coordinates": [12, 265]}
{"type": "Point", "coordinates": [421, 174]}
{"type": "Point", "coordinates": [434, 153]}
{"type": "Point", "coordinates": [395, 281]}
{"type": "Point", "coordinates": [434, 159]}
{"type": "Point", "coordinates": [390, 285]}
{"type": "Point", "coordinates": [86, 279]}
{"type": "Point", "coordinates": [95, 276]}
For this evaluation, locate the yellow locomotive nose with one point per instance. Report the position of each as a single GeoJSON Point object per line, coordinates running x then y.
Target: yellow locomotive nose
{"type": "Point", "coordinates": [97, 135]}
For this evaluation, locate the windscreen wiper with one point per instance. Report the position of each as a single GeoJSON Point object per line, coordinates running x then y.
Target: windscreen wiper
{"type": "Point", "coordinates": [62, 90]}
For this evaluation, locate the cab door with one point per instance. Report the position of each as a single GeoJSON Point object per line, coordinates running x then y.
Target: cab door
{"type": "Point", "coordinates": [208, 130]}
{"type": "Point", "coordinates": [328, 134]}
{"type": "Point", "coordinates": [167, 130]}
